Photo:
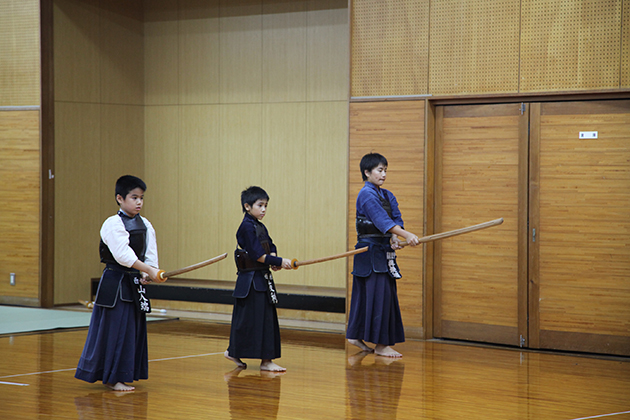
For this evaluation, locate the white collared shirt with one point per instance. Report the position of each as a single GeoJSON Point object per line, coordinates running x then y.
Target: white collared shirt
{"type": "Point", "coordinates": [116, 238]}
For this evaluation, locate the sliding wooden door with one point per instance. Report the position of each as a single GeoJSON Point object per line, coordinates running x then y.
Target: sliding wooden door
{"type": "Point", "coordinates": [580, 227]}
{"type": "Point", "coordinates": [480, 279]}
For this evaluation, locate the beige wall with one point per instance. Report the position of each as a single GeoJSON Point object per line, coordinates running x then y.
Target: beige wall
{"type": "Point", "coordinates": [99, 128]}
{"type": "Point", "coordinates": [239, 94]}
{"type": "Point", "coordinates": [202, 99]}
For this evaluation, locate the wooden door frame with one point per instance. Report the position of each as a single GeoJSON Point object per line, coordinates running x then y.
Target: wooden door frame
{"type": "Point", "coordinates": [432, 289]}
{"type": "Point", "coordinates": [529, 327]}
{"type": "Point", "coordinates": [47, 156]}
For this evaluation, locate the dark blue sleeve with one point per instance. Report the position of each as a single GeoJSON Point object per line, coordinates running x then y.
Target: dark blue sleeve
{"type": "Point", "coordinates": [369, 205]}
{"type": "Point", "coordinates": [272, 246]}
{"type": "Point", "coordinates": [246, 237]}
{"type": "Point", "coordinates": [396, 214]}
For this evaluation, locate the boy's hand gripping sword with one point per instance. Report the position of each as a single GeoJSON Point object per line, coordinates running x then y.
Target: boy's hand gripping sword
{"type": "Point", "coordinates": [162, 275]}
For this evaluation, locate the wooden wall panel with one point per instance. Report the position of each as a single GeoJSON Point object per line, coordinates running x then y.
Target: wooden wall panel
{"type": "Point", "coordinates": [326, 169]}
{"type": "Point", "coordinates": [474, 46]}
{"type": "Point", "coordinates": [76, 51]}
{"type": "Point", "coordinates": [570, 45]}
{"type": "Point", "coordinates": [99, 87]}
{"type": "Point", "coordinates": [396, 130]}
{"type": "Point", "coordinates": [327, 46]}
{"type": "Point", "coordinates": [240, 53]}
{"type": "Point", "coordinates": [78, 188]}
{"type": "Point", "coordinates": [284, 146]}
{"type": "Point", "coordinates": [161, 52]}
{"type": "Point", "coordinates": [625, 46]}
{"type": "Point", "coordinates": [122, 150]}
{"type": "Point", "coordinates": [198, 47]}
{"type": "Point", "coordinates": [198, 178]}
{"type": "Point", "coordinates": [390, 47]}
{"type": "Point", "coordinates": [584, 228]}
{"type": "Point", "coordinates": [121, 52]}
{"type": "Point", "coordinates": [20, 47]}
{"type": "Point", "coordinates": [19, 220]}
{"type": "Point", "coordinates": [162, 199]}
{"type": "Point", "coordinates": [240, 166]}
{"type": "Point", "coordinates": [477, 275]}
{"type": "Point", "coordinates": [284, 40]}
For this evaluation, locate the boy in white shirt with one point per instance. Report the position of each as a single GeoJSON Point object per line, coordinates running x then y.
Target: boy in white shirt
{"type": "Point", "coordinates": [115, 350]}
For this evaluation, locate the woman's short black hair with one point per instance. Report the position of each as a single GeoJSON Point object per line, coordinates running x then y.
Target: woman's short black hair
{"type": "Point", "coordinates": [126, 183]}
{"type": "Point", "coordinates": [251, 195]}
{"type": "Point", "coordinates": [371, 161]}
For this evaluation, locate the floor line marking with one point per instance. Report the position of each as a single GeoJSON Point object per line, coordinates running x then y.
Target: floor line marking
{"type": "Point", "coordinates": [12, 383]}
{"type": "Point", "coordinates": [603, 415]}
{"type": "Point", "coordinates": [154, 360]}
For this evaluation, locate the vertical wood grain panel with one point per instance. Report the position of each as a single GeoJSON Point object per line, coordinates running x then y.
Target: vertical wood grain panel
{"type": "Point", "coordinates": [479, 272]}
{"type": "Point", "coordinates": [121, 52]}
{"type": "Point", "coordinates": [240, 59]}
{"type": "Point", "coordinates": [160, 52]}
{"type": "Point", "coordinates": [326, 192]}
{"type": "Point", "coordinates": [534, 223]}
{"type": "Point", "coordinates": [430, 137]}
{"type": "Point", "coordinates": [122, 149]}
{"type": "Point", "coordinates": [240, 166]}
{"type": "Point", "coordinates": [625, 46]}
{"type": "Point", "coordinates": [327, 52]}
{"type": "Point", "coordinates": [198, 51]}
{"type": "Point", "coordinates": [76, 51]}
{"type": "Point", "coordinates": [162, 199]}
{"type": "Point", "coordinates": [284, 50]}
{"type": "Point", "coordinates": [584, 226]}
{"type": "Point", "coordinates": [570, 45]}
{"type": "Point", "coordinates": [474, 46]}
{"type": "Point", "coordinates": [20, 47]}
{"type": "Point", "coordinates": [77, 199]}
{"type": "Point", "coordinates": [19, 221]}
{"type": "Point", "coordinates": [284, 146]}
{"type": "Point", "coordinates": [390, 47]}
{"type": "Point", "coordinates": [198, 186]}
{"type": "Point", "coordinates": [396, 130]}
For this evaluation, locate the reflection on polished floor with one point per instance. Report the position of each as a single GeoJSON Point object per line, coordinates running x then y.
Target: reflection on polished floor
{"type": "Point", "coordinates": [190, 379]}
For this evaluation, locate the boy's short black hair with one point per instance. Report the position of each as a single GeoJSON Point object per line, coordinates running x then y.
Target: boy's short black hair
{"type": "Point", "coordinates": [126, 183]}
{"type": "Point", "coordinates": [251, 195]}
{"type": "Point", "coordinates": [371, 161]}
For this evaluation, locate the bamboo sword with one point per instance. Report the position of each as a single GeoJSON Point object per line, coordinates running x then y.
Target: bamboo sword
{"type": "Point", "coordinates": [162, 275]}
{"type": "Point", "coordinates": [295, 263]}
{"type": "Point", "coordinates": [456, 232]}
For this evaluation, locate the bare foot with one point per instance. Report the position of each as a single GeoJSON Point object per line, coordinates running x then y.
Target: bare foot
{"type": "Point", "coordinates": [270, 375]}
{"type": "Point", "coordinates": [270, 366]}
{"type": "Point", "coordinates": [236, 360]}
{"type": "Point", "coordinates": [360, 344]}
{"type": "Point", "coordinates": [120, 386]}
{"type": "Point", "coordinates": [386, 351]}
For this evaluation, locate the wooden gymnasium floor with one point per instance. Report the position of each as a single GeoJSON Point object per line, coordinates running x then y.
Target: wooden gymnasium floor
{"type": "Point", "coordinates": [189, 379]}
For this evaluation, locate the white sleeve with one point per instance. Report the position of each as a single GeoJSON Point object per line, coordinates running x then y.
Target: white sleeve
{"type": "Point", "coordinates": [116, 238]}
{"type": "Point", "coordinates": [151, 255]}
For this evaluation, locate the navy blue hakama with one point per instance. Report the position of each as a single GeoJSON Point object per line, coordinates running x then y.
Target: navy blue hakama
{"type": "Point", "coordinates": [255, 332]}
{"type": "Point", "coordinates": [374, 310]}
{"type": "Point", "coordinates": [116, 346]}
